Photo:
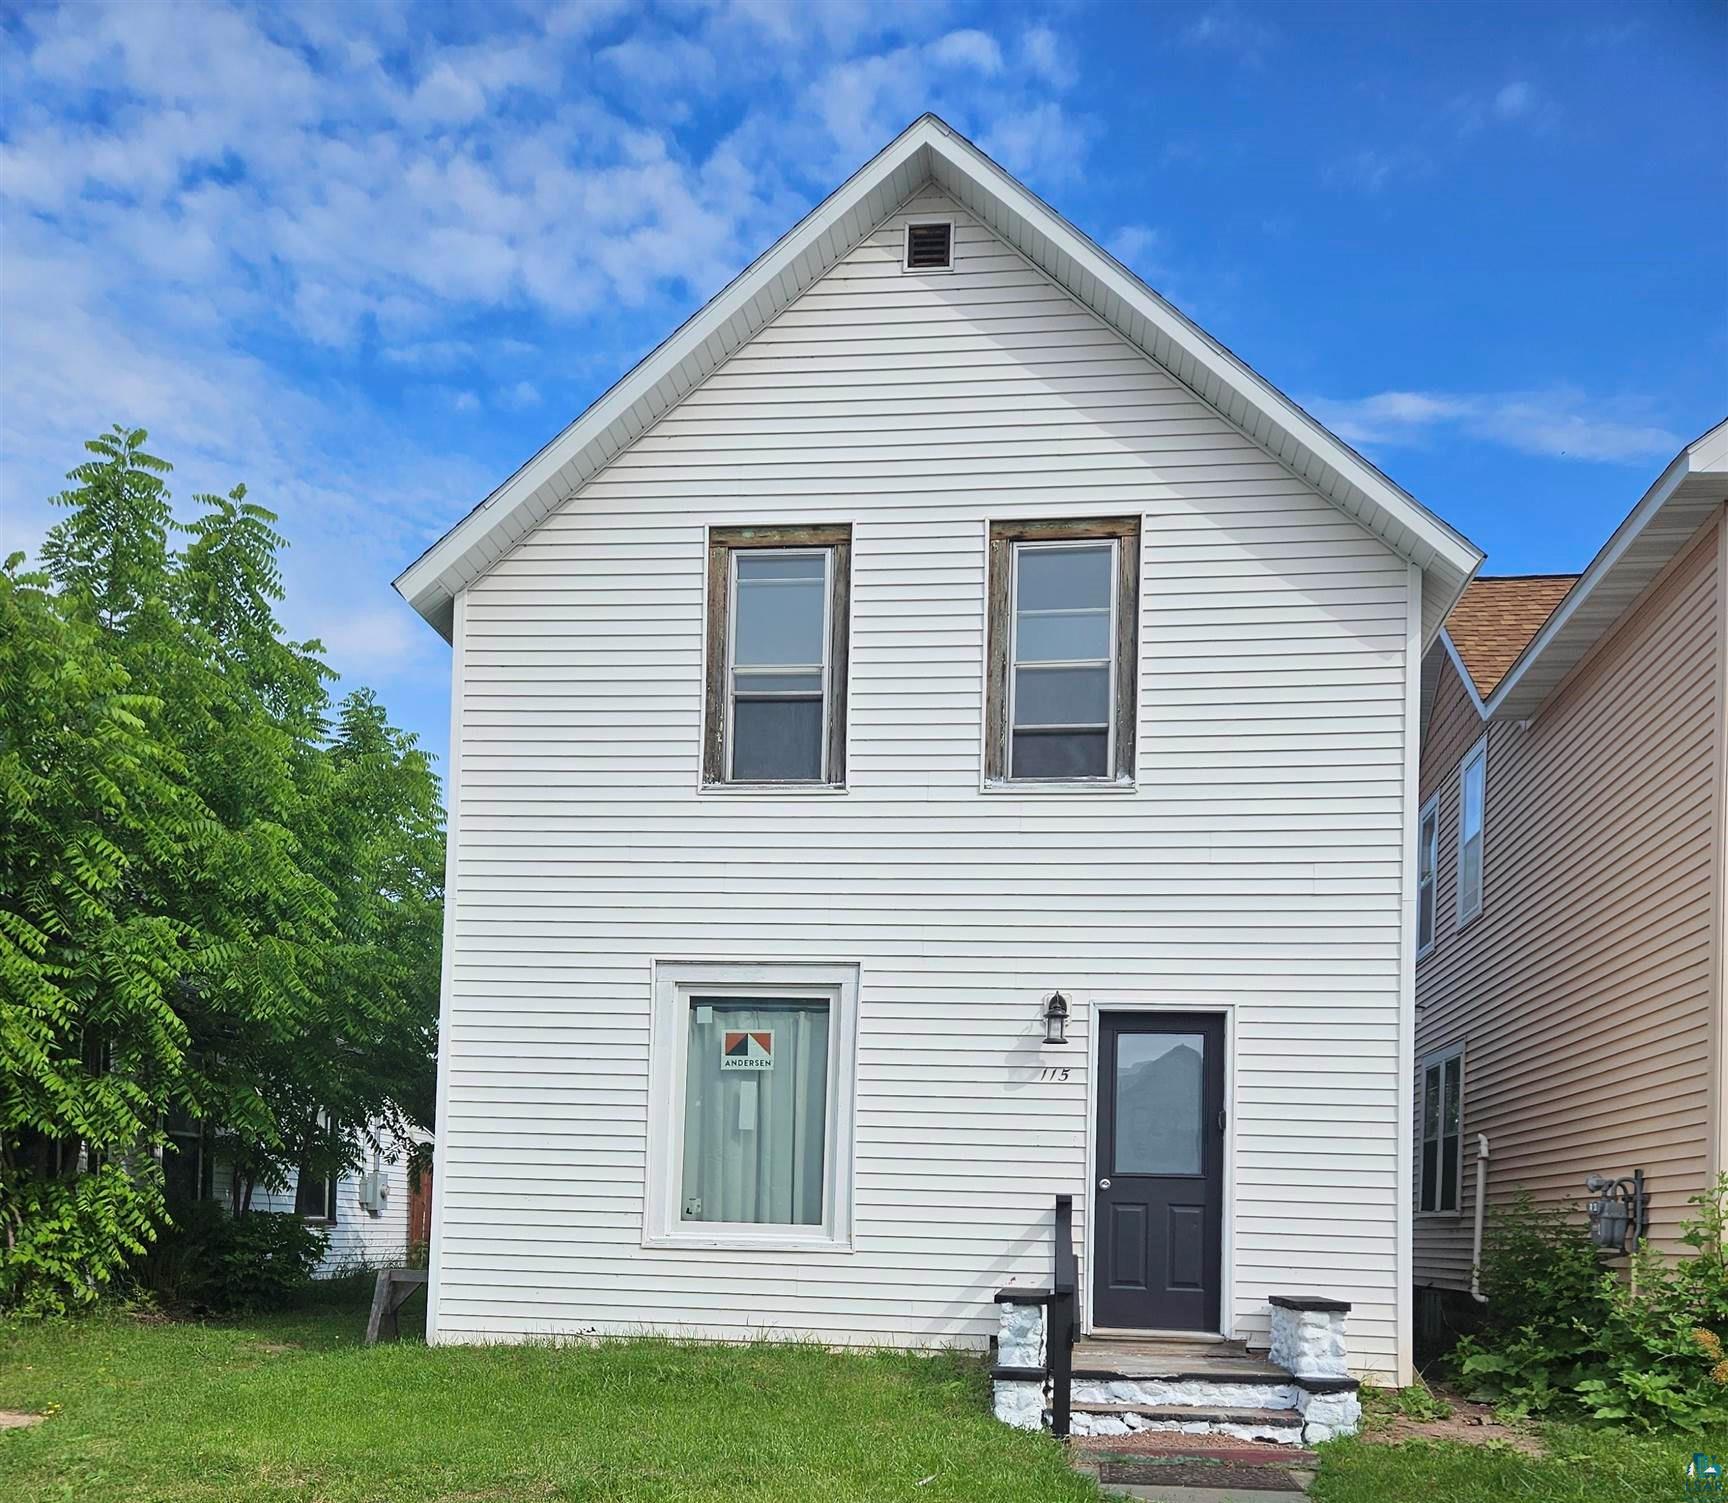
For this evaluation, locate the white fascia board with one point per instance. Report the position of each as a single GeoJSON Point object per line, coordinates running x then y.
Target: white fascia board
{"type": "Point", "coordinates": [418, 583]}
{"type": "Point", "coordinates": [1704, 457]}
{"type": "Point", "coordinates": [1446, 557]}
{"type": "Point", "coordinates": [1463, 673]}
{"type": "Point", "coordinates": [1443, 541]}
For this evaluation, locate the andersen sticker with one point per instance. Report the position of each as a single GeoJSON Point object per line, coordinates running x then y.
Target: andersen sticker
{"type": "Point", "coordinates": [747, 1049]}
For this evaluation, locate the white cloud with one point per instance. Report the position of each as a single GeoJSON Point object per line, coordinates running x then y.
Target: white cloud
{"type": "Point", "coordinates": [1517, 98]}
{"type": "Point", "coordinates": [1372, 167]}
{"type": "Point", "coordinates": [295, 243]}
{"type": "Point", "coordinates": [1043, 143]}
{"type": "Point", "coordinates": [1227, 28]}
{"type": "Point", "coordinates": [1516, 102]}
{"type": "Point", "coordinates": [1049, 56]}
{"type": "Point", "coordinates": [1562, 423]}
{"type": "Point", "coordinates": [969, 49]}
{"type": "Point", "coordinates": [1134, 244]}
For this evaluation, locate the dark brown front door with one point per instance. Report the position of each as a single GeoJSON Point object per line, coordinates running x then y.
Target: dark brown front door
{"type": "Point", "coordinates": [1158, 1232]}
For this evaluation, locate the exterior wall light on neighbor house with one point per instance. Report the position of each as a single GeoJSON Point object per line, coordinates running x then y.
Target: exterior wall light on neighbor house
{"type": "Point", "coordinates": [1056, 1019]}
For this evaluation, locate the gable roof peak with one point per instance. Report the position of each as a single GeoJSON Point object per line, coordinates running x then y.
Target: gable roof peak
{"type": "Point", "coordinates": [931, 149]}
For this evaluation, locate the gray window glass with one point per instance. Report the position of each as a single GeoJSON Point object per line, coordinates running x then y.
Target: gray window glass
{"type": "Point", "coordinates": [1062, 660]}
{"type": "Point", "coordinates": [1160, 1103]}
{"type": "Point", "coordinates": [778, 653]}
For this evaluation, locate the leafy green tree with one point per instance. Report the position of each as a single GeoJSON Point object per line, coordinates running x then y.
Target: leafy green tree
{"type": "Point", "coordinates": [233, 917]}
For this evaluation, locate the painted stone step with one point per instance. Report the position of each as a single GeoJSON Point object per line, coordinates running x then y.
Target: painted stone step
{"type": "Point", "coordinates": [1276, 1391]}
{"type": "Point", "coordinates": [1283, 1426]}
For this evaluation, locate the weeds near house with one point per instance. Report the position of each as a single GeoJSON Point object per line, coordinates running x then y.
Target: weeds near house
{"type": "Point", "coordinates": [1564, 1337]}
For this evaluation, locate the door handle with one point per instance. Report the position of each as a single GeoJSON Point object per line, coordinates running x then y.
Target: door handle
{"type": "Point", "coordinates": [1103, 1184]}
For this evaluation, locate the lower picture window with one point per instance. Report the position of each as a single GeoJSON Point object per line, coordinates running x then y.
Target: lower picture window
{"type": "Point", "coordinates": [755, 1111]}
{"type": "Point", "coordinates": [750, 1105]}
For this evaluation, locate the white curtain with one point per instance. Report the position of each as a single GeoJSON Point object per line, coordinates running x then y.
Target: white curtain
{"type": "Point", "coordinates": [754, 1138]}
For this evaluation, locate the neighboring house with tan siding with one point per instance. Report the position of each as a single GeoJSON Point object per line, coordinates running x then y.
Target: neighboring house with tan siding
{"type": "Point", "coordinates": [1570, 854]}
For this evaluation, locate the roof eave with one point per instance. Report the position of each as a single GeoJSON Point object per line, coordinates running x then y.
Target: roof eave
{"type": "Point", "coordinates": [930, 148]}
{"type": "Point", "coordinates": [1652, 534]}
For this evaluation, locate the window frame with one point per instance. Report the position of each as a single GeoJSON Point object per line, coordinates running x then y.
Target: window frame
{"type": "Point", "coordinates": [1439, 1059]}
{"type": "Point", "coordinates": [673, 983]}
{"type": "Point", "coordinates": [723, 544]}
{"type": "Point", "coordinates": [906, 245]}
{"type": "Point", "coordinates": [1428, 844]}
{"type": "Point", "coordinates": [1004, 539]}
{"type": "Point", "coordinates": [1477, 756]}
{"type": "Point", "coordinates": [326, 1217]}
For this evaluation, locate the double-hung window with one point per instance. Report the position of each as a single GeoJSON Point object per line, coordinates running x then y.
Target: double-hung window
{"type": "Point", "coordinates": [751, 1105]}
{"type": "Point", "coordinates": [1064, 601]}
{"type": "Point", "coordinates": [1442, 1163]}
{"type": "Point", "coordinates": [776, 703]}
{"type": "Point", "coordinates": [1427, 871]}
{"type": "Point", "coordinates": [1472, 821]}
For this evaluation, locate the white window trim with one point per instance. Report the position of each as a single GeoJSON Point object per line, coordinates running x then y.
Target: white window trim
{"type": "Point", "coordinates": [1477, 753]}
{"type": "Point", "coordinates": [672, 983]}
{"type": "Point", "coordinates": [1428, 1061]}
{"type": "Point", "coordinates": [729, 688]}
{"type": "Point", "coordinates": [1428, 839]}
{"type": "Point", "coordinates": [1015, 549]}
{"type": "Point", "coordinates": [906, 245]}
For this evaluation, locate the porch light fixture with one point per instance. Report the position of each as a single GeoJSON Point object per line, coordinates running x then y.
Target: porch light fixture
{"type": "Point", "coordinates": [1056, 1019]}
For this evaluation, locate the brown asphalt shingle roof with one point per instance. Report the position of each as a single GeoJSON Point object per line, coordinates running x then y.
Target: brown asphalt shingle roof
{"type": "Point", "coordinates": [1496, 619]}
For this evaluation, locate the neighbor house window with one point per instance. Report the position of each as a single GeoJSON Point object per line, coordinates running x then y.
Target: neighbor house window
{"type": "Point", "coordinates": [315, 1196]}
{"type": "Point", "coordinates": [1427, 867]}
{"type": "Point", "coordinates": [776, 694]}
{"type": "Point", "coordinates": [1442, 1165]}
{"type": "Point", "coordinates": [1472, 811]}
{"type": "Point", "coordinates": [1064, 604]}
{"type": "Point", "coordinates": [751, 1120]}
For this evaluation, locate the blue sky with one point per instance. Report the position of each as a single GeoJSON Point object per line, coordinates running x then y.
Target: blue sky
{"type": "Point", "coordinates": [367, 258]}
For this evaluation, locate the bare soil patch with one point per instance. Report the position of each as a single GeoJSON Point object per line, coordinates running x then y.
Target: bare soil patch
{"type": "Point", "coordinates": [17, 1419]}
{"type": "Point", "coordinates": [1470, 1424]}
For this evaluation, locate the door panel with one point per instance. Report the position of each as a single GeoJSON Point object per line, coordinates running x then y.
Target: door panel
{"type": "Point", "coordinates": [1158, 1245]}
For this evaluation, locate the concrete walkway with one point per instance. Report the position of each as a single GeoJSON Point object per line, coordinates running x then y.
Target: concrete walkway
{"type": "Point", "coordinates": [1173, 1468]}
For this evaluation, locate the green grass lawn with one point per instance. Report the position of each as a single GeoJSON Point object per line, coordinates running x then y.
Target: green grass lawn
{"type": "Point", "coordinates": [1582, 1466]}
{"type": "Point", "coordinates": [291, 1406]}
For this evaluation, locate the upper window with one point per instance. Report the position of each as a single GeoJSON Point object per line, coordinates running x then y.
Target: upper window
{"type": "Point", "coordinates": [1063, 610]}
{"type": "Point", "coordinates": [776, 703]}
{"type": "Point", "coordinates": [1472, 817]}
{"type": "Point", "coordinates": [1442, 1162]}
{"type": "Point", "coordinates": [1427, 868]}
{"type": "Point", "coordinates": [930, 245]}
{"type": "Point", "coordinates": [751, 1131]}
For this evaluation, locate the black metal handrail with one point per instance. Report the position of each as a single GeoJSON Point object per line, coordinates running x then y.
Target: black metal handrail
{"type": "Point", "coordinates": [1061, 1328]}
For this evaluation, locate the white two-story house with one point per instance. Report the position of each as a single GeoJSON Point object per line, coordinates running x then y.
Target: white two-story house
{"type": "Point", "coordinates": [938, 647]}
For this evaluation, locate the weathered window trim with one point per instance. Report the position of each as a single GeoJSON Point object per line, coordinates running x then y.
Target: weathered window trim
{"type": "Point", "coordinates": [723, 543]}
{"type": "Point", "coordinates": [1124, 675]}
{"type": "Point", "coordinates": [1428, 845]}
{"type": "Point", "coordinates": [1470, 905]}
{"type": "Point", "coordinates": [672, 983]}
{"type": "Point", "coordinates": [1452, 1054]}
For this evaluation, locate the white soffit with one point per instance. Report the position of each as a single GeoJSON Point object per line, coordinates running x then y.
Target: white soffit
{"type": "Point", "coordinates": [1684, 498]}
{"type": "Point", "coordinates": [930, 150]}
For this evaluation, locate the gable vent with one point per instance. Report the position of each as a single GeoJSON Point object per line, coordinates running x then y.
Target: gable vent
{"type": "Point", "coordinates": [929, 247]}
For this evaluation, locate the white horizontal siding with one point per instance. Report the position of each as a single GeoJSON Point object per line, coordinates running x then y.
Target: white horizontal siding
{"type": "Point", "coordinates": [1257, 865]}
{"type": "Point", "coordinates": [360, 1238]}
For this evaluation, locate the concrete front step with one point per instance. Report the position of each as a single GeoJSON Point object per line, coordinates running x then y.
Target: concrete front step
{"type": "Point", "coordinates": [1274, 1390]}
{"type": "Point", "coordinates": [1280, 1426]}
